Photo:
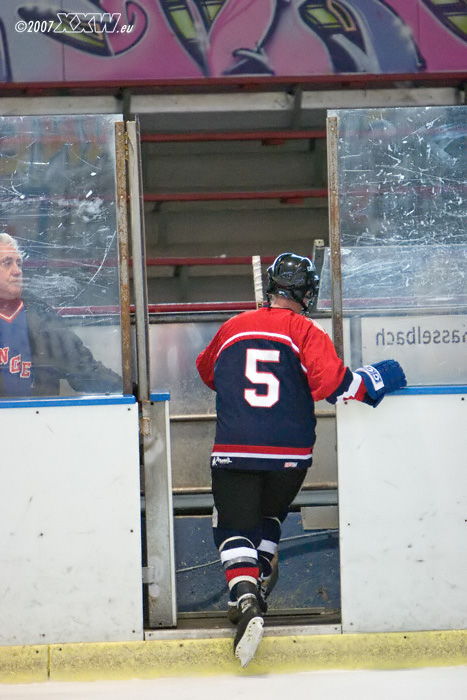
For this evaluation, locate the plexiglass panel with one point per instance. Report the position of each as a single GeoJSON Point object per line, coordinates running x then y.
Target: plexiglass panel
{"type": "Point", "coordinates": [403, 213]}
{"type": "Point", "coordinates": [392, 277]}
{"type": "Point", "coordinates": [58, 256]}
{"type": "Point", "coordinates": [174, 349]}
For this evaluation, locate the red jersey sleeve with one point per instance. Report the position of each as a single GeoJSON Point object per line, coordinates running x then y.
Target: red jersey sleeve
{"type": "Point", "coordinates": [327, 375]}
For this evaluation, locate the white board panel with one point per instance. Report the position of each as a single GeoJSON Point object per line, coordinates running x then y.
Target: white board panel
{"type": "Point", "coordinates": [70, 539]}
{"type": "Point", "coordinates": [403, 511]}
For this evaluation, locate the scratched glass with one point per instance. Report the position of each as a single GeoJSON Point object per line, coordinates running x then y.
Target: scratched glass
{"type": "Point", "coordinates": [58, 203]}
{"type": "Point", "coordinates": [402, 176]}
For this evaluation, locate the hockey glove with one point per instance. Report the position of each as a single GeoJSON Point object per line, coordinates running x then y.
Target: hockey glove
{"type": "Point", "coordinates": [380, 379]}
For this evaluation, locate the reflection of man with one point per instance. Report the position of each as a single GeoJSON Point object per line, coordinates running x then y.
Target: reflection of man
{"type": "Point", "coordinates": [36, 348]}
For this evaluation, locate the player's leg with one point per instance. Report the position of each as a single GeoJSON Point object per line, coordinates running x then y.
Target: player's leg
{"type": "Point", "coordinates": [267, 558]}
{"type": "Point", "coordinates": [237, 525]}
{"type": "Point", "coordinates": [237, 534]}
{"type": "Point", "coordinates": [280, 489]}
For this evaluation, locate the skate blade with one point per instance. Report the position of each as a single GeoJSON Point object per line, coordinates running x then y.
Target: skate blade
{"type": "Point", "coordinates": [247, 646]}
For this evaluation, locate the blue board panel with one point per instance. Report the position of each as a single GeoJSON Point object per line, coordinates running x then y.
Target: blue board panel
{"type": "Point", "coordinates": [308, 566]}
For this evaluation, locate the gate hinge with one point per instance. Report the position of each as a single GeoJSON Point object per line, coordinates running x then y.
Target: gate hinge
{"type": "Point", "coordinates": [149, 574]}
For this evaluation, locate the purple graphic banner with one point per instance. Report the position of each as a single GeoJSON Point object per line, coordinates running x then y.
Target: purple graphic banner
{"type": "Point", "coordinates": [121, 40]}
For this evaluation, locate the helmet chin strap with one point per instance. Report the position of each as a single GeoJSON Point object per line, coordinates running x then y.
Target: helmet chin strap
{"type": "Point", "coordinates": [293, 296]}
{"type": "Point", "coordinates": [307, 303]}
{"type": "Point", "coordinates": [299, 299]}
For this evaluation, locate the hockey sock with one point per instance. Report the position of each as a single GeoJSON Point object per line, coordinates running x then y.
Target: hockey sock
{"type": "Point", "coordinates": [268, 546]}
{"type": "Point", "coordinates": [240, 560]}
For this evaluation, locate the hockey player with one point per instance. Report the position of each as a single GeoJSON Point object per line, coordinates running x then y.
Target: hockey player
{"type": "Point", "coordinates": [268, 368]}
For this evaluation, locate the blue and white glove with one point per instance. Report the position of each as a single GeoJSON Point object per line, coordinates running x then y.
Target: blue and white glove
{"type": "Point", "coordinates": [380, 379]}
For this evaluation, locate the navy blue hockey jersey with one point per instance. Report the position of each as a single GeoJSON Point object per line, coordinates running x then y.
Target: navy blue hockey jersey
{"type": "Point", "coordinates": [268, 368]}
{"type": "Point", "coordinates": [15, 353]}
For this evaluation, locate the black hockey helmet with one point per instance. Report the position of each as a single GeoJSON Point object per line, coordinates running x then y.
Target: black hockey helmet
{"type": "Point", "coordinates": [294, 277]}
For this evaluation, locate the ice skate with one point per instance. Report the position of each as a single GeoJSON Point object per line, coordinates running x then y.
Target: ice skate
{"type": "Point", "coordinates": [249, 629]}
{"type": "Point", "coordinates": [233, 613]}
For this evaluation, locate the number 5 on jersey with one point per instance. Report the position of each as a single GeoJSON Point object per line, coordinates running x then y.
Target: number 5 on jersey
{"type": "Point", "coordinates": [271, 397]}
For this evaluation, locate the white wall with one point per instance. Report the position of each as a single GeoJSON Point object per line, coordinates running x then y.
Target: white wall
{"type": "Point", "coordinates": [403, 508]}
{"type": "Point", "coordinates": [70, 533]}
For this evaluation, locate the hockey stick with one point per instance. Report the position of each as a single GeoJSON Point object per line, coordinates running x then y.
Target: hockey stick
{"type": "Point", "coordinates": [257, 280]}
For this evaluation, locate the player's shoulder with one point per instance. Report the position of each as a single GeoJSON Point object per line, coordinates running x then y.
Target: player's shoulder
{"type": "Point", "coordinates": [246, 323]}
{"type": "Point", "coordinates": [317, 326]}
{"type": "Point", "coordinates": [245, 318]}
{"type": "Point", "coordinates": [233, 325]}
{"type": "Point", "coordinates": [307, 325]}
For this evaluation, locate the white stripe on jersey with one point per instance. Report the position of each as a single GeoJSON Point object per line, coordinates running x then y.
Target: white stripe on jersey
{"type": "Point", "coordinates": [260, 334]}
{"type": "Point", "coordinates": [15, 313]}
